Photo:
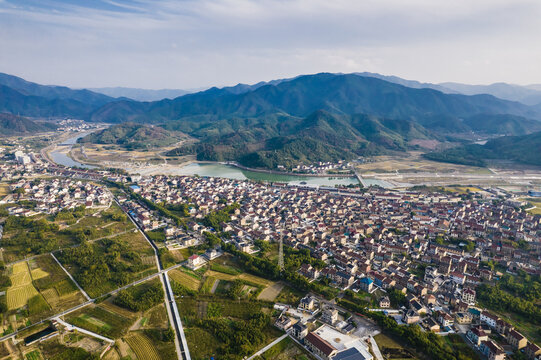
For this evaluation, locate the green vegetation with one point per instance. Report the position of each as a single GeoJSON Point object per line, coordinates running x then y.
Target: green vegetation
{"type": "Point", "coordinates": [33, 355]}
{"type": "Point", "coordinates": [101, 321]}
{"type": "Point", "coordinates": [53, 350]}
{"type": "Point", "coordinates": [141, 297]}
{"type": "Point", "coordinates": [16, 125]}
{"type": "Point", "coordinates": [215, 219]}
{"type": "Point", "coordinates": [107, 264]}
{"type": "Point", "coordinates": [37, 305]}
{"type": "Point", "coordinates": [225, 269]}
{"type": "Point", "coordinates": [133, 136]}
{"type": "Point", "coordinates": [225, 329]}
{"type": "Point", "coordinates": [494, 298]}
{"type": "Point", "coordinates": [522, 149]}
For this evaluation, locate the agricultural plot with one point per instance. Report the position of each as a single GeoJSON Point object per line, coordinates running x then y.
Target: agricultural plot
{"type": "Point", "coordinates": [270, 293]}
{"type": "Point", "coordinates": [21, 289]}
{"type": "Point", "coordinates": [54, 285]}
{"type": "Point", "coordinates": [33, 355]}
{"type": "Point", "coordinates": [187, 280]}
{"type": "Point", "coordinates": [101, 321]}
{"type": "Point", "coordinates": [142, 347]}
{"type": "Point", "coordinates": [208, 285]}
{"type": "Point", "coordinates": [104, 265]}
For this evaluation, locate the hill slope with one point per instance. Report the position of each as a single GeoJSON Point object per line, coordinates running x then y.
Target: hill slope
{"type": "Point", "coordinates": [522, 149]}
{"type": "Point", "coordinates": [133, 136]}
{"type": "Point", "coordinates": [340, 94]}
{"type": "Point", "coordinates": [19, 96]}
{"type": "Point", "coordinates": [16, 125]}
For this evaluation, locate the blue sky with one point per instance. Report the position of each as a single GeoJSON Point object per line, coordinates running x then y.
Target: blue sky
{"type": "Point", "coordinates": [199, 43]}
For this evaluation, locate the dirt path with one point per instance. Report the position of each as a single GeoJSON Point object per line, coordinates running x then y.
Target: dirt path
{"type": "Point", "coordinates": [271, 292]}
{"type": "Point", "coordinates": [215, 286]}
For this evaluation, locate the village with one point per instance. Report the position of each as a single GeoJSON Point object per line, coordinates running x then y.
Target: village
{"type": "Point", "coordinates": [434, 248]}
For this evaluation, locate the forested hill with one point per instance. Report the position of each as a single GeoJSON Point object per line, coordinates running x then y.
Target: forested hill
{"type": "Point", "coordinates": [301, 96]}
{"type": "Point", "coordinates": [522, 149]}
{"type": "Point", "coordinates": [16, 125]}
{"type": "Point", "coordinates": [134, 136]}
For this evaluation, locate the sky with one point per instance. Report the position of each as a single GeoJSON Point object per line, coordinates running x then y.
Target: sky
{"type": "Point", "coordinates": [192, 44]}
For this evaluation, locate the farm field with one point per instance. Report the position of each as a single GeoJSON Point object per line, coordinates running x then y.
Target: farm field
{"type": "Point", "coordinates": [286, 349]}
{"type": "Point", "coordinates": [56, 287]}
{"type": "Point", "coordinates": [244, 276]}
{"type": "Point", "coordinates": [33, 355]}
{"type": "Point", "coordinates": [185, 279]}
{"type": "Point", "coordinates": [21, 289]}
{"type": "Point", "coordinates": [4, 189]}
{"type": "Point", "coordinates": [271, 292]}
{"type": "Point", "coordinates": [101, 321]}
{"type": "Point", "coordinates": [142, 347]}
{"type": "Point", "coordinates": [21, 235]}
{"type": "Point", "coordinates": [104, 265]}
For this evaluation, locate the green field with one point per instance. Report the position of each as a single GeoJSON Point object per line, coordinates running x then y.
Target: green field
{"type": "Point", "coordinates": [142, 347]}
{"type": "Point", "coordinates": [33, 355]}
{"type": "Point", "coordinates": [101, 321]}
{"type": "Point", "coordinates": [185, 279]}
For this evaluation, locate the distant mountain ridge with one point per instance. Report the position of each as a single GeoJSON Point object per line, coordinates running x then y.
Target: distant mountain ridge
{"type": "Point", "coordinates": [141, 94]}
{"type": "Point", "coordinates": [342, 94]}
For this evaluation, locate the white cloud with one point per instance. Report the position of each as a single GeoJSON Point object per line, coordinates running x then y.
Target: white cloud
{"type": "Point", "coordinates": [193, 43]}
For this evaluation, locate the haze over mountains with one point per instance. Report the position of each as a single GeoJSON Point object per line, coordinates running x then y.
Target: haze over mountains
{"type": "Point", "coordinates": [321, 117]}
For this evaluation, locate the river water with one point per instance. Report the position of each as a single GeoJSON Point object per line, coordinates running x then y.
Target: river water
{"type": "Point", "coordinates": [231, 172]}
{"type": "Point", "coordinates": [60, 156]}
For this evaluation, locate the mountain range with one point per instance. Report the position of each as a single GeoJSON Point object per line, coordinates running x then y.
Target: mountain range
{"type": "Point", "coordinates": [320, 117]}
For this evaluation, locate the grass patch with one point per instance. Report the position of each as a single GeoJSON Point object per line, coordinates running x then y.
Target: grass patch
{"type": "Point", "coordinates": [33, 355]}
{"type": "Point", "coordinates": [101, 321]}
{"type": "Point", "coordinates": [225, 269]}
{"type": "Point", "coordinates": [208, 284]}
{"type": "Point", "coordinates": [185, 279]}
{"type": "Point", "coordinates": [37, 305]}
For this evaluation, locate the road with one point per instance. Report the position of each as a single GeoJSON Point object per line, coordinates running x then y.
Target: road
{"type": "Point", "coordinates": [268, 346]}
{"type": "Point", "coordinates": [84, 331]}
{"type": "Point", "coordinates": [71, 277]}
{"type": "Point", "coordinates": [170, 303]}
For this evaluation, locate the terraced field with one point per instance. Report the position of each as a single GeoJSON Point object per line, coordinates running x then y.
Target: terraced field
{"type": "Point", "coordinates": [142, 347]}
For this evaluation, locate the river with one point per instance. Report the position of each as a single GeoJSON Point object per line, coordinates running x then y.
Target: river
{"type": "Point", "coordinates": [231, 172]}
{"type": "Point", "coordinates": [60, 156]}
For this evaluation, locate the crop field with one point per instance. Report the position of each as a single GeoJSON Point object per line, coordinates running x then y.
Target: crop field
{"type": "Point", "coordinates": [208, 285]}
{"type": "Point", "coordinates": [4, 189]}
{"type": "Point", "coordinates": [37, 305]}
{"type": "Point", "coordinates": [33, 355]}
{"type": "Point", "coordinates": [21, 289]}
{"type": "Point", "coordinates": [54, 285]}
{"type": "Point", "coordinates": [244, 276]}
{"type": "Point", "coordinates": [185, 279]}
{"type": "Point", "coordinates": [38, 274]}
{"type": "Point", "coordinates": [270, 293]}
{"type": "Point", "coordinates": [142, 347]}
{"type": "Point", "coordinates": [100, 321]}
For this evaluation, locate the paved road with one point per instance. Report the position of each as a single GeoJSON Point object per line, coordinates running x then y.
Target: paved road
{"type": "Point", "coordinates": [268, 346]}
{"type": "Point", "coordinates": [375, 348]}
{"type": "Point", "coordinates": [84, 331]}
{"type": "Point", "coordinates": [71, 277]}
{"type": "Point", "coordinates": [180, 340]}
